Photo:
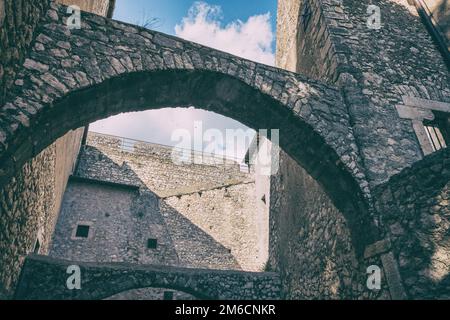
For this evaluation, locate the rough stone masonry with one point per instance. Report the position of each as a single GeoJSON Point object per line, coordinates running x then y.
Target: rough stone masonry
{"type": "Point", "coordinates": [34, 196]}
{"type": "Point", "coordinates": [359, 184]}
{"type": "Point", "coordinates": [200, 215]}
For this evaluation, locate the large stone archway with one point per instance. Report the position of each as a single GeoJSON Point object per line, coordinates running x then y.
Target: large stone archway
{"type": "Point", "coordinates": [73, 77]}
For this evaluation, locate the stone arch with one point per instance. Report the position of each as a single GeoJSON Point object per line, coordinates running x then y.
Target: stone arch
{"type": "Point", "coordinates": [184, 288]}
{"type": "Point", "coordinates": [152, 293]}
{"type": "Point", "coordinates": [73, 77]}
{"type": "Point", "coordinates": [121, 285]}
{"type": "Point", "coordinates": [102, 280]}
{"type": "Point", "coordinates": [141, 91]}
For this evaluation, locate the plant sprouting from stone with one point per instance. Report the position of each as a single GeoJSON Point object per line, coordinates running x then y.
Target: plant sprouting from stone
{"type": "Point", "coordinates": [148, 21]}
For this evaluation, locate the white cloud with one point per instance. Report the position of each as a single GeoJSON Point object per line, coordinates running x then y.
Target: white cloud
{"type": "Point", "coordinates": [251, 39]}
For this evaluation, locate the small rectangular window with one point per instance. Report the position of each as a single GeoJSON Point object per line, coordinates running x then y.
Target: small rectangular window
{"type": "Point", "coordinates": [152, 243]}
{"type": "Point", "coordinates": [82, 231]}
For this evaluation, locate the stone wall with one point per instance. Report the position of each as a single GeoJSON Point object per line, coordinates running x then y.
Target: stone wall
{"type": "Point", "coordinates": [310, 241]}
{"type": "Point", "coordinates": [304, 44]}
{"type": "Point", "coordinates": [229, 216]}
{"type": "Point", "coordinates": [44, 278]}
{"type": "Point", "coordinates": [121, 220]}
{"type": "Point", "coordinates": [153, 165]}
{"type": "Point", "coordinates": [415, 214]}
{"type": "Point", "coordinates": [378, 69]}
{"type": "Point", "coordinates": [202, 216]}
{"type": "Point", "coordinates": [410, 65]}
{"type": "Point", "coordinates": [18, 19]}
{"type": "Point", "coordinates": [288, 13]}
{"type": "Point", "coordinates": [30, 203]}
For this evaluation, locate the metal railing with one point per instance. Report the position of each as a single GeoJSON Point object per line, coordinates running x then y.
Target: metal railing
{"type": "Point", "coordinates": [144, 148]}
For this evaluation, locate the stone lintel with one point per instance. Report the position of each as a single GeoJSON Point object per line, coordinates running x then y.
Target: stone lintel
{"type": "Point", "coordinates": [414, 113]}
{"type": "Point", "coordinates": [426, 104]}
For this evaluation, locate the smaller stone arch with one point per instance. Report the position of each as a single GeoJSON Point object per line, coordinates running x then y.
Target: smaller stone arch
{"type": "Point", "coordinates": [149, 293]}
{"type": "Point", "coordinates": [44, 278]}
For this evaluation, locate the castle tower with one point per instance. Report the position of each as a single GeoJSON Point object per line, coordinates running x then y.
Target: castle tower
{"type": "Point", "coordinates": [392, 75]}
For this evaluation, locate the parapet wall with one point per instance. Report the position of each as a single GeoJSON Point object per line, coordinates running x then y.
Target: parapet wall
{"type": "Point", "coordinates": [154, 166]}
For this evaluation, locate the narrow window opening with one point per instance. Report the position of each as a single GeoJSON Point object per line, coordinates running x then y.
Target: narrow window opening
{"type": "Point", "coordinates": [37, 247]}
{"type": "Point", "coordinates": [82, 231]}
{"type": "Point", "coordinates": [152, 243]}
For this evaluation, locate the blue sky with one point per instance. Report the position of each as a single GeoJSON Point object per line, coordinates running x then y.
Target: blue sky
{"type": "Point", "coordinates": [244, 28]}
{"type": "Point", "coordinates": [172, 11]}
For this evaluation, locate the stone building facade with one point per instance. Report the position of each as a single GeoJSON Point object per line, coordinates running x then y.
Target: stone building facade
{"type": "Point", "coordinates": [141, 207]}
{"type": "Point", "coordinates": [336, 45]}
{"type": "Point", "coordinates": [198, 215]}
